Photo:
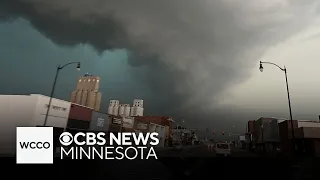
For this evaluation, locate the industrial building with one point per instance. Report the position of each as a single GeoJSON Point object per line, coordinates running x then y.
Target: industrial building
{"type": "Point", "coordinates": [73, 117]}
{"type": "Point", "coordinates": [153, 127]}
{"type": "Point", "coordinates": [143, 124]}
{"type": "Point", "coordinates": [28, 111]}
{"type": "Point", "coordinates": [160, 124]}
{"type": "Point", "coordinates": [124, 110]}
{"type": "Point", "coordinates": [123, 124]}
{"type": "Point", "coordinates": [307, 137]}
{"type": "Point", "coordinates": [31, 110]}
{"type": "Point", "coordinates": [87, 92]}
{"type": "Point", "coordinates": [268, 135]}
{"type": "Point", "coordinates": [184, 136]}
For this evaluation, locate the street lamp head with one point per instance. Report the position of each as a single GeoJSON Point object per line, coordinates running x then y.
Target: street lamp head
{"type": "Point", "coordinates": [78, 66]}
{"type": "Point", "coordinates": [261, 67]}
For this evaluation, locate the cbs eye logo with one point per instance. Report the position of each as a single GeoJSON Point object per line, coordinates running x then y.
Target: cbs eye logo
{"type": "Point", "coordinates": [66, 139]}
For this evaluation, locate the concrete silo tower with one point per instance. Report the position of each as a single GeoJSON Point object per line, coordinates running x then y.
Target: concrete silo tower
{"type": "Point", "coordinates": [137, 108]}
{"type": "Point", "coordinates": [127, 110]}
{"type": "Point", "coordinates": [124, 110]}
{"type": "Point", "coordinates": [113, 107]}
{"type": "Point", "coordinates": [121, 110]}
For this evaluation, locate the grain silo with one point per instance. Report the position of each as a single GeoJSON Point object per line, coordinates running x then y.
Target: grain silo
{"type": "Point", "coordinates": [127, 110]}
{"type": "Point", "coordinates": [121, 110]}
{"type": "Point", "coordinates": [113, 107]}
{"type": "Point", "coordinates": [137, 108]}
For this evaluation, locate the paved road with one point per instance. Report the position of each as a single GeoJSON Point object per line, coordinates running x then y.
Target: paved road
{"type": "Point", "coordinates": [184, 162]}
{"type": "Point", "coordinates": [184, 166]}
{"type": "Point", "coordinates": [189, 151]}
{"type": "Point", "coordinates": [170, 168]}
{"type": "Point", "coordinates": [189, 159]}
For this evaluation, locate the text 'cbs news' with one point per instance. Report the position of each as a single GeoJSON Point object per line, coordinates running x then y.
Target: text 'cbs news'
{"type": "Point", "coordinates": [35, 145]}
{"type": "Point", "coordinates": [119, 146]}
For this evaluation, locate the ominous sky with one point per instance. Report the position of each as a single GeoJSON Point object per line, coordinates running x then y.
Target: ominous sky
{"type": "Point", "coordinates": [192, 59]}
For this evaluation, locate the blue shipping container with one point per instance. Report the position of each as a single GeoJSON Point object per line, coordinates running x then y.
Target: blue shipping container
{"type": "Point", "coordinates": [99, 121]}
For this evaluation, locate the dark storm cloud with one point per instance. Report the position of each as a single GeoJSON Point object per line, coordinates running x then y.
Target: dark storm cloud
{"type": "Point", "coordinates": [102, 33]}
{"type": "Point", "coordinates": [193, 49]}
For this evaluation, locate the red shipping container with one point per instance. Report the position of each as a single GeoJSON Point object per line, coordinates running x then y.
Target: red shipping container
{"type": "Point", "coordinates": [78, 112]}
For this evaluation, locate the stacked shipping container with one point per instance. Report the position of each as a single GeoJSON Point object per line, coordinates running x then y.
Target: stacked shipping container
{"type": "Point", "coordinates": [115, 123]}
{"type": "Point", "coordinates": [79, 117]}
{"type": "Point", "coordinates": [160, 120]}
{"type": "Point", "coordinates": [127, 122]}
{"type": "Point", "coordinates": [99, 122]}
{"type": "Point", "coordinates": [141, 125]}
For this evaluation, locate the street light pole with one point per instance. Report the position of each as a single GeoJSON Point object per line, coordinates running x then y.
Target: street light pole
{"type": "Point", "coordinates": [51, 94]}
{"type": "Point", "coordinates": [54, 86]}
{"type": "Point", "coordinates": [289, 101]}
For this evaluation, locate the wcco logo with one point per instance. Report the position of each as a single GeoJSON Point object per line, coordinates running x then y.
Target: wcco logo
{"type": "Point", "coordinates": [34, 145]}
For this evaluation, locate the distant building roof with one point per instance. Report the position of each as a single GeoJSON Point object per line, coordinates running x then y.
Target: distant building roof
{"type": "Point", "coordinates": [87, 74]}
